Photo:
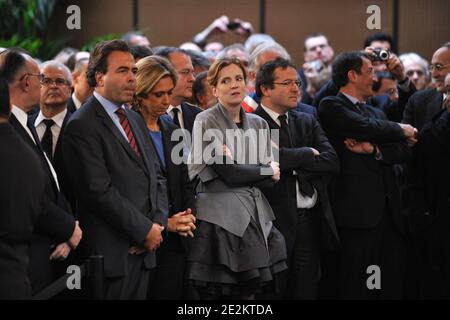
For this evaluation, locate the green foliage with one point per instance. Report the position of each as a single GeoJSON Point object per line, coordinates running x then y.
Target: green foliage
{"type": "Point", "coordinates": [23, 23]}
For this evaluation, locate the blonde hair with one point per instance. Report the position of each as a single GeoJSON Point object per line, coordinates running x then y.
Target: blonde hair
{"type": "Point", "coordinates": [218, 65]}
{"type": "Point", "coordinates": [151, 70]}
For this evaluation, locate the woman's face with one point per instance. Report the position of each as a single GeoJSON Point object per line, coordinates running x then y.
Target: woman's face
{"type": "Point", "coordinates": [158, 99]}
{"type": "Point", "coordinates": [230, 88]}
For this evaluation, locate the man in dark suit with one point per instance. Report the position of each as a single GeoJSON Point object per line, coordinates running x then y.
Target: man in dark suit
{"type": "Point", "coordinates": [182, 113]}
{"type": "Point", "coordinates": [120, 195]}
{"type": "Point", "coordinates": [299, 199]}
{"type": "Point", "coordinates": [364, 196]}
{"type": "Point", "coordinates": [424, 105]}
{"type": "Point", "coordinates": [55, 225]}
{"type": "Point", "coordinates": [263, 53]}
{"type": "Point", "coordinates": [52, 118]}
{"type": "Point", "coordinates": [20, 170]}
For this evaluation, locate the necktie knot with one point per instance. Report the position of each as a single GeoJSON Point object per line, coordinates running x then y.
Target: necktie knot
{"type": "Point", "coordinates": [48, 123]}
{"type": "Point", "coordinates": [120, 112]}
{"type": "Point", "coordinates": [176, 120]}
{"type": "Point", "coordinates": [282, 118]}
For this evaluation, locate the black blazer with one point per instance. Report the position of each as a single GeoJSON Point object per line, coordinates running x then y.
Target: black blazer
{"type": "Point", "coordinates": [306, 132]}
{"type": "Point", "coordinates": [55, 225]}
{"type": "Point", "coordinates": [422, 107]}
{"type": "Point", "coordinates": [393, 109]}
{"type": "Point", "coordinates": [58, 163]}
{"type": "Point", "coordinates": [119, 194]}
{"type": "Point", "coordinates": [22, 188]}
{"type": "Point", "coordinates": [360, 190]}
{"type": "Point", "coordinates": [189, 114]}
{"type": "Point", "coordinates": [71, 105]}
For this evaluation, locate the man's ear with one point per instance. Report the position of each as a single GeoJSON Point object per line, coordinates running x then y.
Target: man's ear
{"type": "Point", "coordinates": [99, 79]}
{"type": "Point", "coordinates": [265, 91]}
{"type": "Point", "coordinates": [351, 74]}
{"type": "Point", "coordinates": [74, 78]}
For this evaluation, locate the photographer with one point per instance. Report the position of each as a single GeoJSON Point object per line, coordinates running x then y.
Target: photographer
{"type": "Point", "coordinates": [223, 25]}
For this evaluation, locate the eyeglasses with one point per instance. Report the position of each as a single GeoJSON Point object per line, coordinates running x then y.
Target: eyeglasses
{"type": "Point", "coordinates": [39, 75]}
{"type": "Point", "coordinates": [410, 73]}
{"type": "Point", "coordinates": [289, 83]}
{"type": "Point", "coordinates": [437, 66]}
{"type": "Point", "coordinates": [59, 82]}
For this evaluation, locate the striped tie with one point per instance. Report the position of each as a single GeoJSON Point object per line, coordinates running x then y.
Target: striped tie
{"type": "Point", "coordinates": [127, 128]}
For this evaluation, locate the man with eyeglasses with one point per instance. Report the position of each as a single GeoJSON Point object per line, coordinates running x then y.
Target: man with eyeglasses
{"type": "Point", "coordinates": [182, 113]}
{"type": "Point", "coordinates": [56, 232]}
{"type": "Point", "coordinates": [51, 120]}
{"type": "Point", "coordinates": [425, 104]}
{"type": "Point", "coordinates": [426, 193]}
{"type": "Point", "coordinates": [307, 160]}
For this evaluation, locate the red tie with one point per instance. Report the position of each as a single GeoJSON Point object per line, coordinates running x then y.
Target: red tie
{"type": "Point", "coordinates": [127, 128]}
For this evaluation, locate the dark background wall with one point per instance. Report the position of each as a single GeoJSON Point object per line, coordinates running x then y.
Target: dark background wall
{"type": "Point", "coordinates": [423, 24]}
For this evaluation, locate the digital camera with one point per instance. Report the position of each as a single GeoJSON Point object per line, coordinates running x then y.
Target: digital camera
{"type": "Point", "coordinates": [381, 54]}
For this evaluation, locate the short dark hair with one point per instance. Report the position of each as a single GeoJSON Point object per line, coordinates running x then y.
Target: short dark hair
{"type": "Point", "coordinates": [380, 76]}
{"type": "Point", "coordinates": [314, 35]}
{"type": "Point", "coordinates": [11, 61]}
{"type": "Point", "coordinates": [4, 98]}
{"type": "Point", "coordinates": [140, 52]}
{"type": "Point", "coordinates": [344, 63]}
{"type": "Point", "coordinates": [198, 88]}
{"type": "Point", "coordinates": [98, 62]}
{"type": "Point", "coordinates": [379, 36]}
{"type": "Point", "coordinates": [265, 76]}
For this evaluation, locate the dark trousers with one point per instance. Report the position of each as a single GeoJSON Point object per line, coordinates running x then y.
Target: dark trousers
{"type": "Point", "coordinates": [301, 279]}
{"type": "Point", "coordinates": [167, 278]}
{"type": "Point", "coordinates": [382, 246]}
{"type": "Point", "coordinates": [133, 286]}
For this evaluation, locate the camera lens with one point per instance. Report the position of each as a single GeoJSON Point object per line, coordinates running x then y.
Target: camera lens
{"type": "Point", "coordinates": [384, 55]}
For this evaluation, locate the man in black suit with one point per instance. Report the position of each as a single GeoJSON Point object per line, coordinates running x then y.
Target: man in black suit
{"type": "Point", "coordinates": [182, 113]}
{"type": "Point", "coordinates": [263, 53]}
{"type": "Point", "coordinates": [299, 199]}
{"type": "Point", "coordinates": [364, 196]}
{"type": "Point", "coordinates": [81, 89]}
{"type": "Point", "coordinates": [55, 226]}
{"type": "Point", "coordinates": [425, 104]}
{"type": "Point", "coordinates": [51, 120]}
{"type": "Point", "coordinates": [120, 195]}
{"type": "Point", "coordinates": [20, 170]}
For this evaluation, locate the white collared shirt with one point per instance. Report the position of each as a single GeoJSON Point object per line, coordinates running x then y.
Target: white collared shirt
{"type": "Point", "coordinates": [55, 129]}
{"type": "Point", "coordinates": [180, 114]}
{"type": "Point", "coordinates": [111, 108]}
{"type": "Point", "coordinates": [76, 102]}
{"type": "Point", "coordinates": [22, 117]}
{"type": "Point", "coordinates": [303, 202]}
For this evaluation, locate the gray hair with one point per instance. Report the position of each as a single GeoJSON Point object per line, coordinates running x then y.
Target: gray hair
{"type": "Point", "coordinates": [263, 48]}
{"type": "Point", "coordinates": [255, 39]}
{"type": "Point", "coordinates": [58, 65]}
{"type": "Point", "coordinates": [414, 58]}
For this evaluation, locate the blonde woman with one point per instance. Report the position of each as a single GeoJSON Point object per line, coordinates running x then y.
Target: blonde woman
{"type": "Point", "coordinates": [235, 252]}
{"type": "Point", "coordinates": [155, 80]}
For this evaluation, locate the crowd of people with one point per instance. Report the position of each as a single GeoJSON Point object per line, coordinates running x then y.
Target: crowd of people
{"type": "Point", "coordinates": [124, 152]}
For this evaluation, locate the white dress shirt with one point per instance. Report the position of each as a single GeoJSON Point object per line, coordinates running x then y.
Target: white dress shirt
{"type": "Point", "coordinates": [55, 129]}
{"type": "Point", "coordinates": [303, 201]}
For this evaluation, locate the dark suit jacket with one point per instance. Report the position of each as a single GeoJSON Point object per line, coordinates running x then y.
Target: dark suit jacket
{"type": "Point", "coordinates": [393, 109]}
{"type": "Point", "coordinates": [306, 132]}
{"type": "Point", "coordinates": [55, 225]}
{"type": "Point", "coordinates": [360, 190]}
{"type": "Point", "coordinates": [119, 194]}
{"type": "Point", "coordinates": [21, 201]}
{"type": "Point", "coordinates": [422, 107]}
{"type": "Point", "coordinates": [71, 105]}
{"type": "Point", "coordinates": [189, 114]}
{"type": "Point", "coordinates": [427, 196]}
{"type": "Point", "coordinates": [58, 163]}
